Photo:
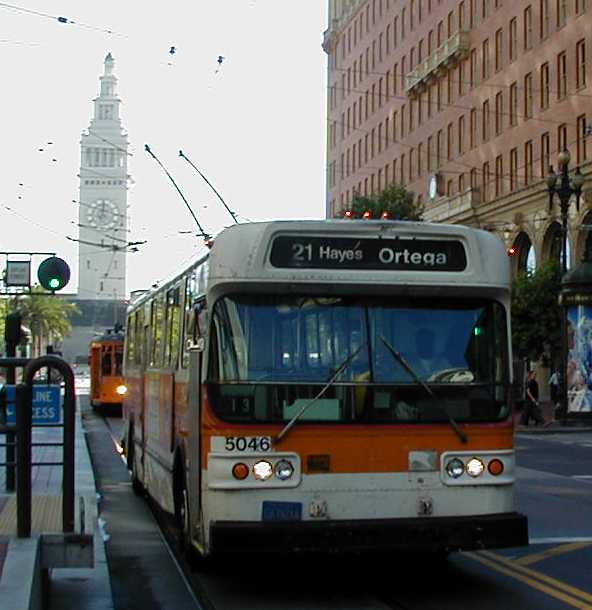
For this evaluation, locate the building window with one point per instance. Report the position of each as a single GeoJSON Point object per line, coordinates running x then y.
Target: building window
{"type": "Point", "coordinates": [581, 154]}
{"type": "Point", "coordinates": [473, 68]}
{"type": "Point", "coordinates": [499, 113]}
{"type": "Point", "coordinates": [561, 75]}
{"type": "Point", "coordinates": [562, 137]}
{"type": "Point", "coordinates": [449, 141]}
{"type": "Point", "coordinates": [581, 6]}
{"type": "Point", "coordinates": [513, 104]}
{"type": "Point", "coordinates": [485, 177]}
{"type": "Point", "coordinates": [430, 154]}
{"type": "Point", "coordinates": [545, 86]}
{"type": "Point", "coordinates": [528, 103]}
{"type": "Point", "coordinates": [528, 28]}
{"type": "Point", "coordinates": [513, 169]}
{"type": "Point", "coordinates": [473, 178]}
{"type": "Point", "coordinates": [561, 13]}
{"type": "Point", "coordinates": [528, 160]}
{"type": "Point", "coordinates": [461, 134]}
{"type": "Point", "coordinates": [544, 17]}
{"type": "Point", "coordinates": [499, 46]}
{"type": "Point", "coordinates": [485, 59]}
{"type": "Point", "coordinates": [581, 64]}
{"type": "Point", "coordinates": [513, 39]}
{"type": "Point", "coordinates": [419, 159]}
{"type": "Point", "coordinates": [473, 128]}
{"type": "Point", "coordinates": [486, 118]}
{"type": "Point", "coordinates": [439, 147]}
{"type": "Point", "coordinates": [545, 154]}
{"type": "Point", "coordinates": [499, 176]}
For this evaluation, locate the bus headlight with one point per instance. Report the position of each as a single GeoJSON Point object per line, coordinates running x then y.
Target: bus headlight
{"type": "Point", "coordinates": [475, 467]}
{"type": "Point", "coordinates": [455, 468]}
{"type": "Point", "coordinates": [121, 390]}
{"type": "Point", "coordinates": [284, 470]}
{"type": "Point", "coordinates": [262, 470]}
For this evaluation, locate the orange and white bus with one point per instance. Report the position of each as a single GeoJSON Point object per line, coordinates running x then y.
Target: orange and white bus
{"type": "Point", "coordinates": [329, 385]}
{"type": "Point", "coordinates": [105, 366]}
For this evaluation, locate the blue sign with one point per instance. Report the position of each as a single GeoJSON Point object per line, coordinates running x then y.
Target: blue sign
{"type": "Point", "coordinates": [46, 404]}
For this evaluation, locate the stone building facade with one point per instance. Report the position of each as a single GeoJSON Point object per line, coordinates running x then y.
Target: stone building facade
{"type": "Point", "coordinates": [467, 103]}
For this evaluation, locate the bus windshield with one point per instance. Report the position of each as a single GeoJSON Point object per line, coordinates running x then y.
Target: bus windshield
{"type": "Point", "coordinates": [270, 354]}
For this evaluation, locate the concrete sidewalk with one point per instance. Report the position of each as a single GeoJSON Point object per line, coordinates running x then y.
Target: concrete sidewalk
{"type": "Point", "coordinates": [21, 584]}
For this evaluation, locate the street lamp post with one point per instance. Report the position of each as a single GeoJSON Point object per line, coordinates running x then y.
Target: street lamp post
{"type": "Point", "coordinates": [564, 188]}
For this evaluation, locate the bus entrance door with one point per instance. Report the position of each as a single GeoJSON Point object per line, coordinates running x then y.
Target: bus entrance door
{"type": "Point", "coordinates": [193, 479]}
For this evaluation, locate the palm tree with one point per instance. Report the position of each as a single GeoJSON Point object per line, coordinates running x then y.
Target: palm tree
{"type": "Point", "coordinates": [47, 316]}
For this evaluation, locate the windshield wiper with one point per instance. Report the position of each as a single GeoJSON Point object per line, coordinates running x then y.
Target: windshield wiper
{"type": "Point", "coordinates": [329, 383]}
{"type": "Point", "coordinates": [397, 355]}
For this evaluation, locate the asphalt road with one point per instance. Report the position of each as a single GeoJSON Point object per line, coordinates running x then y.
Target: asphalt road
{"type": "Point", "coordinates": [554, 489]}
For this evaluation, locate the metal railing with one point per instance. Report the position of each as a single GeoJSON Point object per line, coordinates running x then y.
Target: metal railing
{"type": "Point", "coordinates": [22, 429]}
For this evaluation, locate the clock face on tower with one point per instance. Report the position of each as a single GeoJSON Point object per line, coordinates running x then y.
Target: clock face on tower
{"type": "Point", "coordinates": [102, 214]}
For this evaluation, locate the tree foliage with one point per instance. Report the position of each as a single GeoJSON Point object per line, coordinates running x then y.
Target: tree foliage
{"type": "Point", "coordinates": [536, 314]}
{"type": "Point", "coordinates": [47, 317]}
{"type": "Point", "coordinates": [395, 199]}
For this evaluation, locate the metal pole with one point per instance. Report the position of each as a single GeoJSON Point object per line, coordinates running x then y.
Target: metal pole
{"type": "Point", "coordinates": [10, 436]}
{"type": "Point", "coordinates": [564, 345]}
{"type": "Point", "coordinates": [24, 422]}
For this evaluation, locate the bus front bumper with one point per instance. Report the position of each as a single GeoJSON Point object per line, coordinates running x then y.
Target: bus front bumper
{"type": "Point", "coordinates": [424, 534]}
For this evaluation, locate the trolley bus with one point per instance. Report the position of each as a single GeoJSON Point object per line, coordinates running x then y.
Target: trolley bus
{"type": "Point", "coordinates": [105, 362]}
{"type": "Point", "coordinates": [328, 386]}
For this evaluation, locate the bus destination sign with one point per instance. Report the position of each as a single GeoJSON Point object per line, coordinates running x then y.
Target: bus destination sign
{"type": "Point", "coordinates": [302, 252]}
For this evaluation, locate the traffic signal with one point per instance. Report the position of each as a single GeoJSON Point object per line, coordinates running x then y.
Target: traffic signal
{"type": "Point", "coordinates": [13, 330]}
{"type": "Point", "coordinates": [53, 273]}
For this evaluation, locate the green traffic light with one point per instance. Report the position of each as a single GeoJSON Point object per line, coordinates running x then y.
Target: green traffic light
{"type": "Point", "coordinates": [53, 273]}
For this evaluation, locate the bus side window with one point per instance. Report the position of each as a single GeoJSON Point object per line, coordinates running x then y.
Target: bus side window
{"type": "Point", "coordinates": [130, 355]}
{"type": "Point", "coordinates": [156, 327]}
{"type": "Point", "coordinates": [172, 324]}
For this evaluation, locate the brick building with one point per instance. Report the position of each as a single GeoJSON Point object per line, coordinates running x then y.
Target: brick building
{"type": "Point", "coordinates": [466, 103]}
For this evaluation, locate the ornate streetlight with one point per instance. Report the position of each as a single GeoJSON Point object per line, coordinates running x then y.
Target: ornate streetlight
{"type": "Point", "coordinates": [565, 189]}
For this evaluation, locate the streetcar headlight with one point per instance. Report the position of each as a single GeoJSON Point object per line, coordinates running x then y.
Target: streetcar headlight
{"type": "Point", "coordinates": [475, 467]}
{"type": "Point", "coordinates": [121, 390]}
{"type": "Point", "coordinates": [284, 470]}
{"type": "Point", "coordinates": [455, 468]}
{"type": "Point", "coordinates": [262, 470]}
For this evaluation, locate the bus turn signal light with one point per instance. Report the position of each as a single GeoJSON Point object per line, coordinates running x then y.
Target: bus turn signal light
{"type": "Point", "coordinates": [495, 467]}
{"type": "Point", "coordinates": [240, 471]}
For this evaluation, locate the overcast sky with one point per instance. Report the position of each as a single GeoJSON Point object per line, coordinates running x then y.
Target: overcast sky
{"type": "Point", "coordinates": [256, 128]}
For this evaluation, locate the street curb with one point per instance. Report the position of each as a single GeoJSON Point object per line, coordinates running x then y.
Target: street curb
{"type": "Point", "coordinates": [20, 586]}
{"type": "Point", "coordinates": [555, 429]}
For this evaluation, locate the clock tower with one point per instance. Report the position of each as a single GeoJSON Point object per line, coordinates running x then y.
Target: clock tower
{"type": "Point", "coordinates": [102, 214]}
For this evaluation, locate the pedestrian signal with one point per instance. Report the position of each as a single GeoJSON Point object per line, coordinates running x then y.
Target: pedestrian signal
{"type": "Point", "coordinates": [53, 273]}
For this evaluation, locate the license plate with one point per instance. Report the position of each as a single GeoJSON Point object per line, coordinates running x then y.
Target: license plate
{"type": "Point", "coordinates": [282, 511]}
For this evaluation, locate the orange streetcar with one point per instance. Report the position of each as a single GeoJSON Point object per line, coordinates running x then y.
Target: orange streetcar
{"type": "Point", "coordinates": [105, 360]}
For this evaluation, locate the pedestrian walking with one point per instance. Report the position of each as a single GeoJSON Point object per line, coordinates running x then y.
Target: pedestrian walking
{"type": "Point", "coordinates": [532, 409]}
{"type": "Point", "coordinates": [554, 389]}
